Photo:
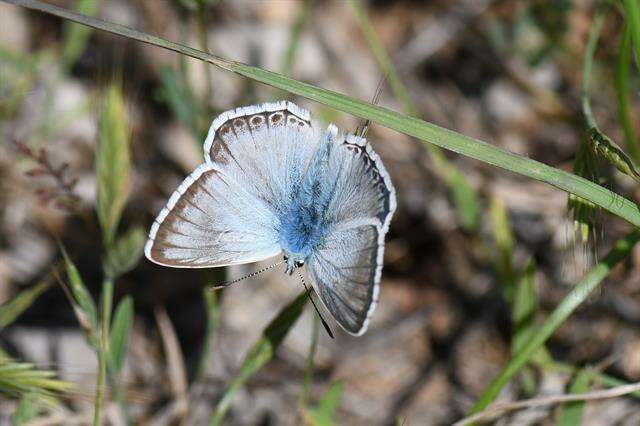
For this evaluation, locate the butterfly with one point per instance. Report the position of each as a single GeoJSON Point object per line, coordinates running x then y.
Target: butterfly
{"type": "Point", "coordinates": [275, 182]}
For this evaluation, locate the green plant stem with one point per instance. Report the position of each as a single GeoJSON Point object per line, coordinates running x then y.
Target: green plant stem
{"type": "Point", "coordinates": [632, 15]}
{"type": "Point", "coordinates": [623, 64]}
{"type": "Point", "coordinates": [308, 376]}
{"type": "Point", "coordinates": [417, 128]}
{"type": "Point", "coordinates": [559, 315]}
{"type": "Point", "coordinates": [103, 353]}
{"type": "Point", "coordinates": [204, 45]}
{"type": "Point", "coordinates": [592, 44]}
{"type": "Point", "coordinates": [294, 38]}
{"type": "Point", "coordinates": [213, 316]}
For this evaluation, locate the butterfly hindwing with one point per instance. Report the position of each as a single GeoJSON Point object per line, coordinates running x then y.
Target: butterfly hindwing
{"type": "Point", "coordinates": [345, 271]}
{"type": "Point", "coordinates": [346, 266]}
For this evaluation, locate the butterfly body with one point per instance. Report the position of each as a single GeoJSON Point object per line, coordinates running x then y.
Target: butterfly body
{"type": "Point", "coordinates": [274, 182]}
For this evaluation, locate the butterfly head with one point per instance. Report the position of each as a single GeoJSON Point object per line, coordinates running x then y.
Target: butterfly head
{"type": "Point", "coordinates": [293, 262]}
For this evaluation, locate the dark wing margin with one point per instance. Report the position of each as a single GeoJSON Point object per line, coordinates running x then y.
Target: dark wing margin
{"type": "Point", "coordinates": [380, 176]}
{"type": "Point", "coordinates": [249, 118]}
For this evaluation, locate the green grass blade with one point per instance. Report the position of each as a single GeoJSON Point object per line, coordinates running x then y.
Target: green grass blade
{"type": "Point", "coordinates": [298, 25]}
{"type": "Point", "coordinates": [120, 330]}
{"type": "Point", "coordinates": [87, 313]}
{"type": "Point", "coordinates": [75, 37]}
{"type": "Point", "coordinates": [181, 100]}
{"type": "Point", "coordinates": [623, 64]}
{"type": "Point", "coordinates": [559, 315]}
{"type": "Point", "coordinates": [427, 132]}
{"type": "Point", "coordinates": [125, 253]}
{"type": "Point", "coordinates": [323, 414]}
{"type": "Point", "coordinates": [20, 303]}
{"type": "Point", "coordinates": [632, 16]}
{"type": "Point", "coordinates": [571, 412]}
{"type": "Point", "coordinates": [524, 308]}
{"type": "Point", "coordinates": [505, 242]}
{"type": "Point", "coordinates": [113, 162]}
{"type": "Point", "coordinates": [308, 374]}
{"type": "Point", "coordinates": [261, 353]}
{"type": "Point", "coordinates": [212, 307]}
{"type": "Point", "coordinates": [464, 197]}
{"type": "Point", "coordinates": [590, 51]}
{"type": "Point", "coordinates": [103, 349]}
{"type": "Point", "coordinates": [18, 378]}
{"type": "Point", "coordinates": [27, 409]}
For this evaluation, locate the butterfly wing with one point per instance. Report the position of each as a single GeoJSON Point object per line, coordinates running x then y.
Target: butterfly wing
{"type": "Point", "coordinates": [212, 221]}
{"type": "Point", "coordinates": [266, 147]}
{"type": "Point", "coordinates": [346, 267]}
{"type": "Point", "coordinates": [226, 212]}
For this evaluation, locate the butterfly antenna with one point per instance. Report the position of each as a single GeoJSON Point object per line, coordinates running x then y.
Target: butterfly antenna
{"type": "Point", "coordinates": [324, 323]}
{"type": "Point", "coordinates": [362, 131]}
{"type": "Point", "coordinates": [253, 274]}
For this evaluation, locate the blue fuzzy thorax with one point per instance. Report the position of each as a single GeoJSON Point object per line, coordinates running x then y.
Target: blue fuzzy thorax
{"type": "Point", "coordinates": [303, 225]}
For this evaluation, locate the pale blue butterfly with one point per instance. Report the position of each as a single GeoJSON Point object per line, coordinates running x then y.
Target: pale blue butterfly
{"type": "Point", "coordinates": [273, 182]}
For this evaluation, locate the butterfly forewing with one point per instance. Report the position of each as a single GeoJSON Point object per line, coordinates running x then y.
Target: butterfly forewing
{"type": "Point", "coordinates": [227, 211]}
{"type": "Point", "coordinates": [210, 221]}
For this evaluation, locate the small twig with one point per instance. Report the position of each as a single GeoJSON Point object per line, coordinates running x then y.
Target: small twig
{"type": "Point", "coordinates": [505, 407]}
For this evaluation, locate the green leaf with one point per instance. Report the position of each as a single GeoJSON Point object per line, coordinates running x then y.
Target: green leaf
{"type": "Point", "coordinates": [119, 336]}
{"type": "Point", "coordinates": [505, 242]}
{"type": "Point", "coordinates": [180, 100]}
{"type": "Point", "coordinates": [571, 412]}
{"type": "Point", "coordinates": [125, 253]}
{"type": "Point", "coordinates": [524, 308]}
{"type": "Point", "coordinates": [465, 199]}
{"type": "Point", "coordinates": [75, 37]}
{"type": "Point", "coordinates": [261, 353]}
{"type": "Point", "coordinates": [20, 378]}
{"type": "Point", "coordinates": [84, 307]}
{"type": "Point", "coordinates": [632, 16]}
{"type": "Point", "coordinates": [27, 409]}
{"type": "Point", "coordinates": [427, 132]}
{"type": "Point", "coordinates": [212, 308]}
{"type": "Point", "coordinates": [12, 309]}
{"type": "Point", "coordinates": [113, 162]}
{"type": "Point", "coordinates": [313, 346]}
{"type": "Point", "coordinates": [295, 33]}
{"type": "Point", "coordinates": [523, 315]}
{"type": "Point", "coordinates": [323, 414]}
{"type": "Point", "coordinates": [570, 303]}
{"type": "Point", "coordinates": [583, 211]}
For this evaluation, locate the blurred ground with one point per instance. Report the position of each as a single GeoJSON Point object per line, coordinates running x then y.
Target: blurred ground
{"type": "Point", "coordinates": [507, 72]}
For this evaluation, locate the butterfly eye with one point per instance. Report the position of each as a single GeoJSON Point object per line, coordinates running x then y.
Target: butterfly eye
{"type": "Point", "coordinates": [299, 263]}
